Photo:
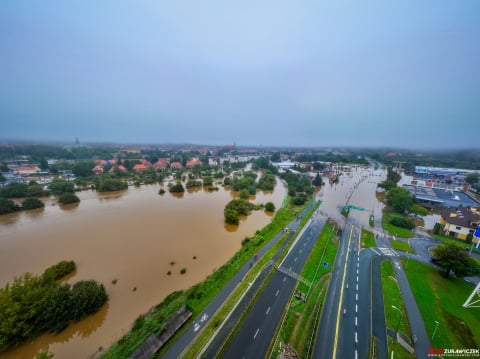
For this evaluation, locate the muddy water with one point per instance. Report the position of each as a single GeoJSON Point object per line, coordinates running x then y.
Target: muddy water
{"type": "Point", "coordinates": [358, 189]}
{"type": "Point", "coordinates": [132, 237]}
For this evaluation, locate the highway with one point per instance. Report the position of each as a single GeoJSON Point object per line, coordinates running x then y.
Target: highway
{"type": "Point", "coordinates": [254, 336]}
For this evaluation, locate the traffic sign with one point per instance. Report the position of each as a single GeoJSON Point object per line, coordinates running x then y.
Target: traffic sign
{"type": "Point", "coordinates": [477, 232]}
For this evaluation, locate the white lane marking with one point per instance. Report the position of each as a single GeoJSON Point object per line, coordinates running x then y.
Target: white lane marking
{"type": "Point", "coordinates": [278, 291]}
{"type": "Point", "coordinates": [356, 297]}
{"type": "Point", "coordinates": [356, 321]}
{"type": "Point", "coordinates": [268, 311]}
{"type": "Point", "coordinates": [357, 287]}
{"type": "Point", "coordinates": [284, 279]}
{"type": "Point", "coordinates": [356, 354]}
{"type": "Point", "coordinates": [356, 338]}
{"type": "Point", "coordinates": [300, 251]}
{"type": "Point", "coordinates": [295, 259]}
{"type": "Point", "coordinates": [256, 333]}
{"type": "Point", "coordinates": [356, 308]}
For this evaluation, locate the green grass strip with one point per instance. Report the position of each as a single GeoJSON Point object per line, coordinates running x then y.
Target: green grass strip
{"type": "Point", "coordinates": [440, 299]}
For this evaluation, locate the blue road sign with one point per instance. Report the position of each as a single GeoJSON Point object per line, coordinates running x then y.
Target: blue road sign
{"type": "Point", "coordinates": [325, 264]}
{"type": "Point", "coordinates": [477, 232]}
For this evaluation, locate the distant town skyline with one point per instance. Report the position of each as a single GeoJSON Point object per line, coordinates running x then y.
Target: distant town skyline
{"type": "Point", "coordinates": [276, 73]}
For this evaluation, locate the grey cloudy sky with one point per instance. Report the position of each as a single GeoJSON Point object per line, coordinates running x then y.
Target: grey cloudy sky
{"type": "Point", "coordinates": [294, 73]}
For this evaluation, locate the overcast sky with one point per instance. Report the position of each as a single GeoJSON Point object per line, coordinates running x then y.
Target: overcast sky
{"type": "Point", "coordinates": [274, 72]}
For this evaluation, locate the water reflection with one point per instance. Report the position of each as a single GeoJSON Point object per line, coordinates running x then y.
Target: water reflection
{"type": "Point", "coordinates": [10, 218]}
{"type": "Point", "coordinates": [35, 212]}
{"type": "Point", "coordinates": [70, 207]}
{"type": "Point", "coordinates": [112, 195]}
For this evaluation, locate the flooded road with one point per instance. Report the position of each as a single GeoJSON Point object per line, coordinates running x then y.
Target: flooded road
{"type": "Point", "coordinates": [357, 188]}
{"type": "Point", "coordinates": [131, 239]}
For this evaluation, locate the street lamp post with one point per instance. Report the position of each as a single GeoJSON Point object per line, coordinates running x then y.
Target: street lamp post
{"type": "Point", "coordinates": [435, 330]}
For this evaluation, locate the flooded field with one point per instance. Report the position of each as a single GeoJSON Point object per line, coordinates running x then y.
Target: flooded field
{"type": "Point", "coordinates": [132, 239]}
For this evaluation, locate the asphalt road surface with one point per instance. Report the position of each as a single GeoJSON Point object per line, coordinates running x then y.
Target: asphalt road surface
{"type": "Point", "coordinates": [255, 334]}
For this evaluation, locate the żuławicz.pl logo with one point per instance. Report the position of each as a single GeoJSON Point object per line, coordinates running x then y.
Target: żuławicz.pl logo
{"type": "Point", "coordinates": [444, 352]}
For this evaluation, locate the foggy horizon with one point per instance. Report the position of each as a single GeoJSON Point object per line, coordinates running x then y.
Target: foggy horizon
{"type": "Point", "coordinates": [276, 74]}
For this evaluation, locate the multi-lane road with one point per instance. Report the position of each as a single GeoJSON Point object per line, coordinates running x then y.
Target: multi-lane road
{"type": "Point", "coordinates": [256, 332]}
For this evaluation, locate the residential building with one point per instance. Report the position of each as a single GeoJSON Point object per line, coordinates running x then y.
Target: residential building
{"type": "Point", "coordinates": [459, 222]}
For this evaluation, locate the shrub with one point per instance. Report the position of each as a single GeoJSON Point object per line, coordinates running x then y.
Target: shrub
{"type": "Point", "coordinates": [32, 203]}
{"type": "Point", "coordinates": [176, 188]}
{"type": "Point", "coordinates": [112, 185]}
{"type": "Point", "coordinates": [403, 222]}
{"type": "Point", "coordinates": [8, 206]}
{"type": "Point", "coordinates": [270, 207]}
{"type": "Point", "coordinates": [68, 198]}
{"type": "Point", "coordinates": [60, 270]}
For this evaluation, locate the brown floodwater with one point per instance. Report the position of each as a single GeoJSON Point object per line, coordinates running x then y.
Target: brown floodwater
{"type": "Point", "coordinates": [133, 237]}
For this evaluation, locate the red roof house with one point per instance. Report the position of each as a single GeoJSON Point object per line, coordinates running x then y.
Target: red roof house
{"type": "Point", "coordinates": [139, 167]}
{"type": "Point", "coordinates": [176, 165]}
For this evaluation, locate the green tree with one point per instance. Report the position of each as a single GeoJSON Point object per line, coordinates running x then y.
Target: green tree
{"type": "Point", "coordinates": [393, 175]}
{"type": "Point", "coordinates": [472, 178]}
{"type": "Point", "coordinates": [270, 207]}
{"type": "Point", "coordinates": [60, 270]}
{"type": "Point", "coordinates": [455, 258]}
{"type": "Point", "coordinates": [67, 198]}
{"type": "Point", "coordinates": [231, 216]}
{"type": "Point", "coordinates": [8, 206]}
{"type": "Point", "coordinates": [83, 168]}
{"type": "Point", "coordinates": [32, 203]}
{"type": "Point", "coordinates": [59, 186]}
{"type": "Point", "coordinates": [43, 164]}
{"type": "Point", "coordinates": [244, 194]}
{"type": "Point", "coordinates": [317, 182]}
{"type": "Point", "coordinates": [36, 190]}
{"type": "Point", "coordinates": [14, 190]}
{"type": "Point", "coordinates": [44, 354]}
{"type": "Point", "coordinates": [87, 297]}
{"type": "Point", "coordinates": [400, 199]}
{"type": "Point", "coordinates": [387, 185]}
{"type": "Point", "coordinates": [419, 210]}
{"type": "Point", "coordinates": [112, 185]}
{"type": "Point", "coordinates": [176, 188]}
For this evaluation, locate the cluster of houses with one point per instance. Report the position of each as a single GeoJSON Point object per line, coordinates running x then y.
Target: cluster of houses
{"type": "Point", "coordinates": [164, 164]}
{"type": "Point", "coordinates": [161, 164]}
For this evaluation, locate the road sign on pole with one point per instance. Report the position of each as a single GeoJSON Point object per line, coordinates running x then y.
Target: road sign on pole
{"type": "Point", "coordinates": [477, 232]}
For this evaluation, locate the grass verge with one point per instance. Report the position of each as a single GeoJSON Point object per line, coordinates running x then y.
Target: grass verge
{"type": "Point", "coordinates": [395, 315]}
{"type": "Point", "coordinates": [367, 239]}
{"type": "Point", "coordinates": [402, 246]}
{"type": "Point", "coordinates": [450, 240]}
{"type": "Point", "coordinates": [394, 230]}
{"type": "Point", "coordinates": [440, 299]}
